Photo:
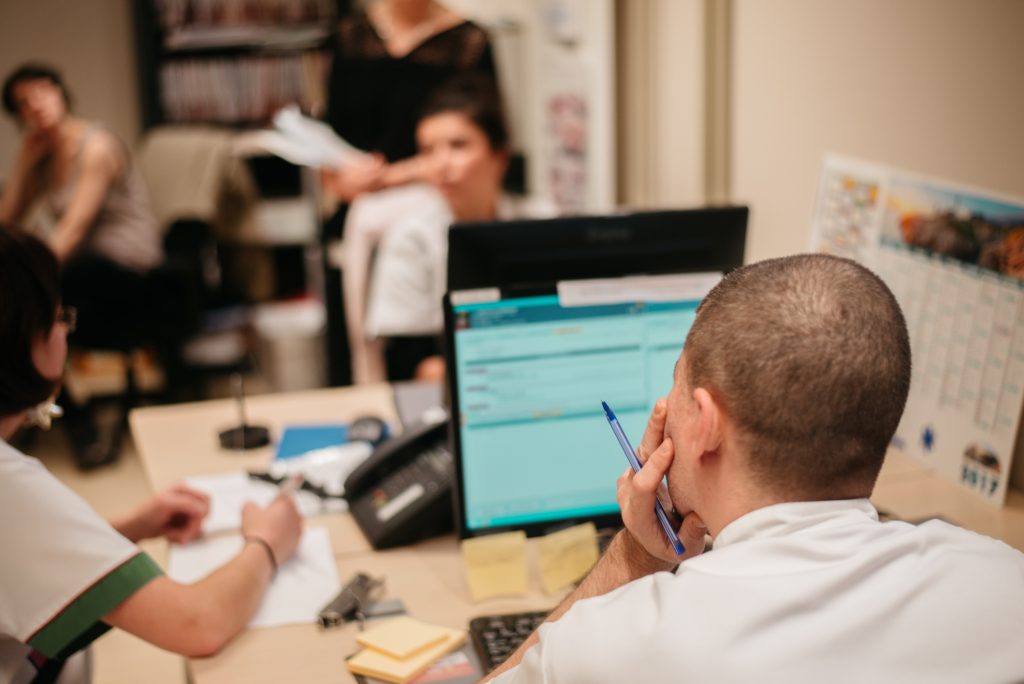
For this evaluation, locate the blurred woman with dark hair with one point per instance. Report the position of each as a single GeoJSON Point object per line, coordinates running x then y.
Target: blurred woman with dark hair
{"type": "Point", "coordinates": [463, 147]}
{"type": "Point", "coordinates": [84, 171]}
{"type": "Point", "coordinates": [67, 575]}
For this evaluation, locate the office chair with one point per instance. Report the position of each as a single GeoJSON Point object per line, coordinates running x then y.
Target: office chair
{"type": "Point", "coordinates": [176, 295]}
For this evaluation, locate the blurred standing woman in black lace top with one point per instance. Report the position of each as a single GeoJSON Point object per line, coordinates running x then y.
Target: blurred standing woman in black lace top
{"type": "Point", "coordinates": [389, 58]}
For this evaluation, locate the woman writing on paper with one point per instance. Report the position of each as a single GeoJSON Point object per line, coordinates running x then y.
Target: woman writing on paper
{"type": "Point", "coordinates": [463, 145]}
{"type": "Point", "coordinates": [67, 575]}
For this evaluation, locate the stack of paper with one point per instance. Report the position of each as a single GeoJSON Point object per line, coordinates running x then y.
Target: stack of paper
{"type": "Point", "coordinates": [400, 649]}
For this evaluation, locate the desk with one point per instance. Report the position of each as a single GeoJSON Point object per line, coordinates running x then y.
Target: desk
{"type": "Point", "coordinates": [177, 441]}
{"type": "Point", "coordinates": [909, 491]}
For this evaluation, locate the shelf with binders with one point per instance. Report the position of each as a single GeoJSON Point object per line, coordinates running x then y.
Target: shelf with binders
{"type": "Point", "coordinates": [243, 90]}
{"type": "Point", "coordinates": [205, 22]}
{"type": "Point", "coordinates": [231, 62]}
{"type": "Point", "coordinates": [201, 39]}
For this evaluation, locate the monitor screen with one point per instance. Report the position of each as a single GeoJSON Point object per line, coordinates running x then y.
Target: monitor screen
{"type": "Point", "coordinates": [532, 446]}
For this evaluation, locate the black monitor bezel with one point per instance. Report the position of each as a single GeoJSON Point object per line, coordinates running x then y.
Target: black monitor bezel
{"type": "Point", "coordinates": [606, 246]}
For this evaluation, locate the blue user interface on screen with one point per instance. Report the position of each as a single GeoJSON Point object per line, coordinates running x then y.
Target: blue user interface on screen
{"type": "Point", "coordinates": [531, 375]}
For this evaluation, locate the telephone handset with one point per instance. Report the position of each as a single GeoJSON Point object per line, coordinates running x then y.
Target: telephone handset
{"type": "Point", "coordinates": [403, 492]}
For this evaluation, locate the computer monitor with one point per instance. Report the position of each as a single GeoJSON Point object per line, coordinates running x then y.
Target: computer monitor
{"type": "Point", "coordinates": [528, 370]}
{"type": "Point", "coordinates": [534, 345]}
{"type": "Point", "coordinates": [545, 251]}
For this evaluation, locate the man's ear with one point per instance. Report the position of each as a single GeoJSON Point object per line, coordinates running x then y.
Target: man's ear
{"type": "Point", "coordinates": [708, 432]}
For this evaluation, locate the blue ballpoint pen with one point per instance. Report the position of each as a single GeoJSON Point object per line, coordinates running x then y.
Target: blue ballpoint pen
{"type": "Point", "coordinates": [627, 448]}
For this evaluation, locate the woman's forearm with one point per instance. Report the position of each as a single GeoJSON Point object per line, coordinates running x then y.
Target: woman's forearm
{"type": "Point", "coordinates": [199, 619]}
{"type": "Point", "coordinates": [17, 192]}
{"type": "Point", "coordinates": [99, 168]}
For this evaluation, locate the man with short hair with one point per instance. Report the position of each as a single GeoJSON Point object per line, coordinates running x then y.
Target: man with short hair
{"type": "Point", "coordinates": [790, 385]}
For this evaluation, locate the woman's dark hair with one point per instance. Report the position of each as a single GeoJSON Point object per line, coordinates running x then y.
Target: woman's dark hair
{"type": "Point", "coordinates": [476, 97]}
{"type": "Point", "coordinates": [32, 72]}
{"type": "Point", "coordinates": [29, 297]}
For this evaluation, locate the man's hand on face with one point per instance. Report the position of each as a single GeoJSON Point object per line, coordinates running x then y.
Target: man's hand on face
{"type": "Point", "coordinates": [638, 492]}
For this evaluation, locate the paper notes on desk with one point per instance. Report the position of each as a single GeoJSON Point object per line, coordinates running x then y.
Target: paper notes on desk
{"type": "Point", "coordinates": [301, 587]}
{"type": "Point", "coordinates": [402, 637]}
{"type": "Point", "coordinates": [421, 643]}
{"type": "Point", "coordinates": [495, 565]}
{"type": "Point", "coordinates": [567, 555]}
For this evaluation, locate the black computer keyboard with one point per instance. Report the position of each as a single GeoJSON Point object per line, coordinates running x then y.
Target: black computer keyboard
{"type": "Point", "coordinates": [496, 637]}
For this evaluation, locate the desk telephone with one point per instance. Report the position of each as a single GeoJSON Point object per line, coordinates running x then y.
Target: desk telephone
{"type": "Point", "coordinates": [403, 492]}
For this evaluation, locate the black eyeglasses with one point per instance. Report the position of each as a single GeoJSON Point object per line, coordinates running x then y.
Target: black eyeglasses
{"type": "Point", "coordinates": [68, 315]}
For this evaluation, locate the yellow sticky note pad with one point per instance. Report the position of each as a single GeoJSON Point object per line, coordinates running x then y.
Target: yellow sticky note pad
{"type": "Point", "coordinates": [495, 565]}
{"type": "Point", "coordinates": [567, 555]}
{"type": "Point", "coordinates": [402, 637]}
{"type": "Point", "coordinates": [373, 663]}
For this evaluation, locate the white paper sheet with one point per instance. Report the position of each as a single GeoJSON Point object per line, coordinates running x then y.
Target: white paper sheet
{"type": "Point", "coordinates": [230, 491]}
{"type": "Point", "coordinates": [303, 585]}
{"type": "Point", "coordinates": [302, 141]}
{"type": "Point", "coordinates": [328, 467]}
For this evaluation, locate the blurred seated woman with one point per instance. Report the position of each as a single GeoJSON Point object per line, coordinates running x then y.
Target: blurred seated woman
{"type": "Point", "coordinates": [463, 146]}
{"type": "Point", "coordinates": [105, 236]}
{"type": "Point", "coordinates": [67, 575]}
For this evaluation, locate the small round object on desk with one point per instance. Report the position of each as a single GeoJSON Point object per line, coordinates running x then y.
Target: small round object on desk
{"type": "Point", "coordinates": [368, 429]}
{"type": "Point", "coordinates": [244, 437]}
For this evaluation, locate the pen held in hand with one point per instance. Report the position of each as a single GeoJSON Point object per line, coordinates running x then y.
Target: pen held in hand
{"type": "Point", "coordinates": [291, 485]}
{"type": "Point", "coordinates": [659, 510]}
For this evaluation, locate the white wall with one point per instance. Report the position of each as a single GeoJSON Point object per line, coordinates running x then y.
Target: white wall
{"type": "Point", "coordinates": [661, 90]}
{"type": "Point", "coordinates": [90, 43]}
{"type": "Point", "coordinates": [933, 86]}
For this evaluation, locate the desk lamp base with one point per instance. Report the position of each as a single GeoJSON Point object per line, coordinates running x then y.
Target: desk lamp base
{"type": "Point", "coordinates": [245, 437]}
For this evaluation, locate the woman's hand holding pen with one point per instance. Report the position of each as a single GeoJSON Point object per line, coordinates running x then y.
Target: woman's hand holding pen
{"type": "Point", "coordinates": [637, 493]}
{"type": "Point", "coordinates": [279, 525]}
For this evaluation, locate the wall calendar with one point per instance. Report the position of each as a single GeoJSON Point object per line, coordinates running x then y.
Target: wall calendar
{"type": "Point", "coordinates": [954, 258]}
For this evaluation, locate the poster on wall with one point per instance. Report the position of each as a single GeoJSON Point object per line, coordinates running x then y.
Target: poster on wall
{"type": "Point", "coordinates": [954, 259]}
{"type": "Point", "coordinates": [846, 220]}
{"type": "Point", "coordinates": [565, 113]}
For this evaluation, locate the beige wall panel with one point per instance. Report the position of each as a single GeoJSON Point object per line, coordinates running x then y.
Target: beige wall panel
{"type": "Point", "coordinates": [90, 42]}
{"type": "Point", "coordinates": [933, 86]}
{"type": "Point", "coordinates": [661, 69]}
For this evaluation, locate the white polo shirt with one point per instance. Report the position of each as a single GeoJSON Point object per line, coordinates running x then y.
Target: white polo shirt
{"type": "Point", "coordinates": [804, 592]}
{"type": "Point", "coordinates": [410, 275]}
{"type": "Point", "coordinates": [62, 568]}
